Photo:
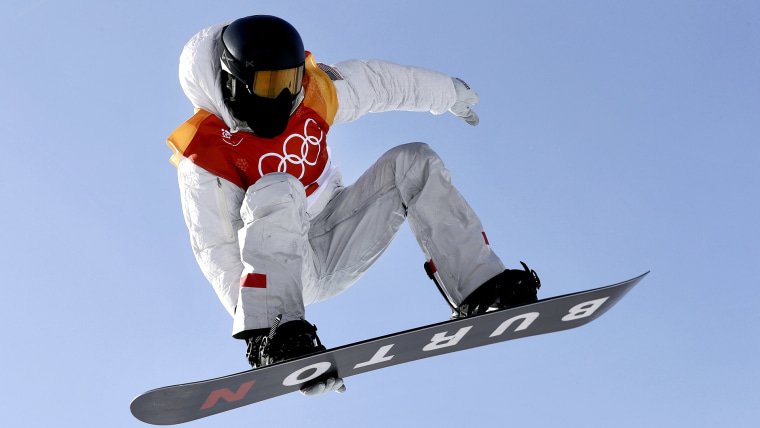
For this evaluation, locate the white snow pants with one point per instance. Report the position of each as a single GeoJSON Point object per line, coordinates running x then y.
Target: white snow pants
{"type": "Point", "coordinates": [291, 260]}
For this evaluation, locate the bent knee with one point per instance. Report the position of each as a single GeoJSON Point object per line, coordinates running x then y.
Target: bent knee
{"type": "Point", "coordinates": [274, 189]}
{"type": "Point", "coordinates": [277, 183]}
{"type": "Point", "coordinates": [279, 179]}
{"type": "Point", "coordinates": [413, 151]}
{"type": "Point", "coordinates": [411, 156]}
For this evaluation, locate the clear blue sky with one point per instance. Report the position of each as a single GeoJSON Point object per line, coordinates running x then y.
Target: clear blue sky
{"type": "Point", "coordinates": [615, 138]}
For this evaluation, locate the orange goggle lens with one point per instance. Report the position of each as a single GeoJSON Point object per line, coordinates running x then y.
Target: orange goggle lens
{"type": "Point", "coordinates": [269, 83]}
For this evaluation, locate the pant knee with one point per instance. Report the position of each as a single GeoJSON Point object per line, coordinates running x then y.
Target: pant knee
{"type": "Point", "coordinates": [406, 156]}
{"type": "Point", "coordinates": [280, 179]}
{"type": "Point", "coordinates": [413, 160]}
{"type": "Point", "coordinates": [280, 190]}
{"type": "Point", "coordinates": [413, 151]}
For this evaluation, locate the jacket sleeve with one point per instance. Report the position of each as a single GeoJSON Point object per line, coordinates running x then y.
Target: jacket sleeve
{"type": "Point", "coordinates": [375, 86]}
{"type": "Point", "coordinates": [211, 206]}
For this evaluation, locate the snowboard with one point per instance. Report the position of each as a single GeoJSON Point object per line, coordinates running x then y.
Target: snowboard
{"type": "Point", "coordinates": [190, 401]}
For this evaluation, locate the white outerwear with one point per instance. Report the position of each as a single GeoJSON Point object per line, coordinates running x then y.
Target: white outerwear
{"type": "Point", "coordinates": [309, 259]}
{"type": "Point", "coordinates": [212, 205]}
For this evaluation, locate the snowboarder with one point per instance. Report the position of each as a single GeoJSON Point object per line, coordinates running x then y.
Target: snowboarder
{"type": "Point", "coordinates": [271, 223]}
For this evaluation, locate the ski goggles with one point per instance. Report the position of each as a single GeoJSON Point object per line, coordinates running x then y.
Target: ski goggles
{"type": "Point", "coordinates": [264, 83]}
{"type": "Point", "coordinates": [270, 83]}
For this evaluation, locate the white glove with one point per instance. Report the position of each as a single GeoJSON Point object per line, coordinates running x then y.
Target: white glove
{"type": "Point", "coordinates": [333, 384]}
{"type": "Point", "coordinates": [466, 97]}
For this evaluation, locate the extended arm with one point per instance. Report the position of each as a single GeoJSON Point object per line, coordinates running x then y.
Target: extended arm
{"type": "Point", "coordinates": [375, 86]}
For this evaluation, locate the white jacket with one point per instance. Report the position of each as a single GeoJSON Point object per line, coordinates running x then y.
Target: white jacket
{"type": "Point", "coordinates": [211, 205]}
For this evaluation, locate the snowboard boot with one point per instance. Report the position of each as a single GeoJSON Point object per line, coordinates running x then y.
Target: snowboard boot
{"type": "Point", "coordinates": [282, 342]}
{"type": "Point", "coordinates": [513, 287]}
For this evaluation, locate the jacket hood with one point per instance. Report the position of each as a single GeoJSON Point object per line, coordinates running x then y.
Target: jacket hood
{"type": "Point", "coordinates": [200, 74]}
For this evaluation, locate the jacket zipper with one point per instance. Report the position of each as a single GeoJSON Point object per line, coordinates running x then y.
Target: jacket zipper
{"type": "Point", "coordinates": [223, 207]}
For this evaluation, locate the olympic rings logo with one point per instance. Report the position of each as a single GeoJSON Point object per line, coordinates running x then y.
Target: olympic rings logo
{"type": "Point", "coordinates": [307, 143]}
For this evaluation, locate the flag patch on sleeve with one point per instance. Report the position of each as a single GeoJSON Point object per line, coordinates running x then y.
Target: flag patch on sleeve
{"type": "Point", "coordinates": [331, 72]}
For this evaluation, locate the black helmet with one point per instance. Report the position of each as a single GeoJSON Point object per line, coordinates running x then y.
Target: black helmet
{"type": "Point", "coordinates": [261, 42]}
{"type": "Point", "coordinates": [262, 60]}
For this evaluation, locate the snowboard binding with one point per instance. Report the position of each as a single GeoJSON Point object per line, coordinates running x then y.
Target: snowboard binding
{"type": "Point", "coordinates": [291, 340]}
{"type": "Point", "coordinates": [513, 287]}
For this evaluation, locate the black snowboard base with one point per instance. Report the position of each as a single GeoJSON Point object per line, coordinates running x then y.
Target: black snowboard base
{"type": "Point", "coordinates": [182, 403]}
